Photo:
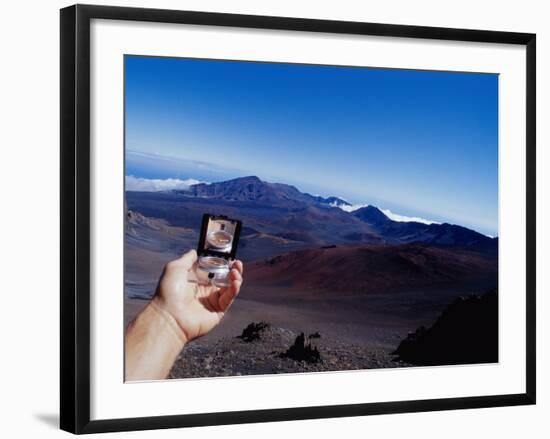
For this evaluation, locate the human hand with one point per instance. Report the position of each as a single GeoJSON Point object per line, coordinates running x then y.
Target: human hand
{"type": "Point", "coordinates": [197, 309]}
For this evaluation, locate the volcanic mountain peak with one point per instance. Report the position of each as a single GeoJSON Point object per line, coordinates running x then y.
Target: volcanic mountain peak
{"type": "Point", "coordinates": [252, 188]}
{"type": "Point", "coordinates": [372, 215]}
{"type": "Point", "coordinates": [333, 201]}
{"type": "Point", "coordinates": [238, 189]}
{"type": "Point", "coordinates": [439, 234]}
{"type": "Point", "coordinates": [248, 179]}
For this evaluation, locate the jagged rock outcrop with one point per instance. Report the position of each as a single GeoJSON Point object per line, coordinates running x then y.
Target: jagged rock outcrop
{"type": "Point", "coordinates": [465, 333]}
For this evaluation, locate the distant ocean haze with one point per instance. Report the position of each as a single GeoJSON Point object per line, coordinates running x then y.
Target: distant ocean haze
{"type": "Point", "coordinates": [156, 166]}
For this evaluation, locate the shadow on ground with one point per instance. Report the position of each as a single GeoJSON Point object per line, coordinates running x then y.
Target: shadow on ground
{"type": "Point", "coordinates": [49, 419]}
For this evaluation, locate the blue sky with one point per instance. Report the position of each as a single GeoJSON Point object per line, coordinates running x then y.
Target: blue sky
{"type": "Point", "coordinates": [420, 143]}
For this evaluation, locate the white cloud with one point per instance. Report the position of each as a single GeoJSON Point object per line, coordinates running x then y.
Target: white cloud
{"type": "Point", "coordinates": [406, 219]}
{"type": "Point", "coordinates": [157, 185]}
{"type": "Point", "coordinates": [347, 208]}
{"type": "Point", "coordinates": [388, 213]}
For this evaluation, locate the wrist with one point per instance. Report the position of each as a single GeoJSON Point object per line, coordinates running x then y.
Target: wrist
{"type": "Point", "coordinates": [153, 342]}
{"type": "Point", "coordinates": [158, 305]}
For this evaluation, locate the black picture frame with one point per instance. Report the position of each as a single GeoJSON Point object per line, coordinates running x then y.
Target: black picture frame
{"type": "Point", "coordinates": [75, 217]}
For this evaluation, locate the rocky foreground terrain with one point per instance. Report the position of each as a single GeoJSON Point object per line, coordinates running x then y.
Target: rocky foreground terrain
{"type": "Point", "coordinates": [466, 332]}
{"type": "Point", "coordinates": [265, 349]}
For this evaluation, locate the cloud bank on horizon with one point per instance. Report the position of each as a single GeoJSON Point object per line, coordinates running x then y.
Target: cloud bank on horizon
{"type": "Point", "coordinates": [407, 219]}
{"type": "Point", "coordinates": [158, 184]}
{"type": "Point", "coordinates": [391, 215]}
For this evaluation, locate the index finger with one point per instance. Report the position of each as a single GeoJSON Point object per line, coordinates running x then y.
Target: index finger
{"type": "Point", "coordinates": [238, 265]}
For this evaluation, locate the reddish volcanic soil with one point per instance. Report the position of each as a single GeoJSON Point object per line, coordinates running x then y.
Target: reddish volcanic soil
{"type": "Point", "coordinates": [371, 268]}
{"type": "Point", "coordinates": [372, 295]}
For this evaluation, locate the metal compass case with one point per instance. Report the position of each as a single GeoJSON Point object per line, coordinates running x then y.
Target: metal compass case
{"type": "Point", "coordinates": [217, 249]}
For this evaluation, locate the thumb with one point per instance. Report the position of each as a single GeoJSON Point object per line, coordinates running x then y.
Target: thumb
{"type": "Point", "coordinates": [187, 260]}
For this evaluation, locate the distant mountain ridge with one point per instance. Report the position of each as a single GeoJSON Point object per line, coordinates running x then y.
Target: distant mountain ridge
{"type": "Point", "coordinates": [438, 234]}
{"type": "Point", "coordinates": [253, 190]}
{"type": "Point", "coordinates": [276, 217]}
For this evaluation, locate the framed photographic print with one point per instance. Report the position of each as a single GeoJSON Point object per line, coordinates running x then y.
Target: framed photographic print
{"type": "Point", "coordinates": [268, 218]}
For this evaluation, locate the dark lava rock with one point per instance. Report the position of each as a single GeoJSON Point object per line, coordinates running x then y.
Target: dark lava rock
{"type": "Point", "coordinates": [300, 351]}
{"type": "Point", "coordinates": [465, 333]}
{"type": "Point", "coordinates": [253, 331]}
{"type": "Point", "coordinates": [314, 335]}
{"type": "Point", "coordinates": [233, 356]}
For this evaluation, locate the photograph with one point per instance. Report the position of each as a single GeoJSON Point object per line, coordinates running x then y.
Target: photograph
{"type": "Point", "coordinates": [303, 218]}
